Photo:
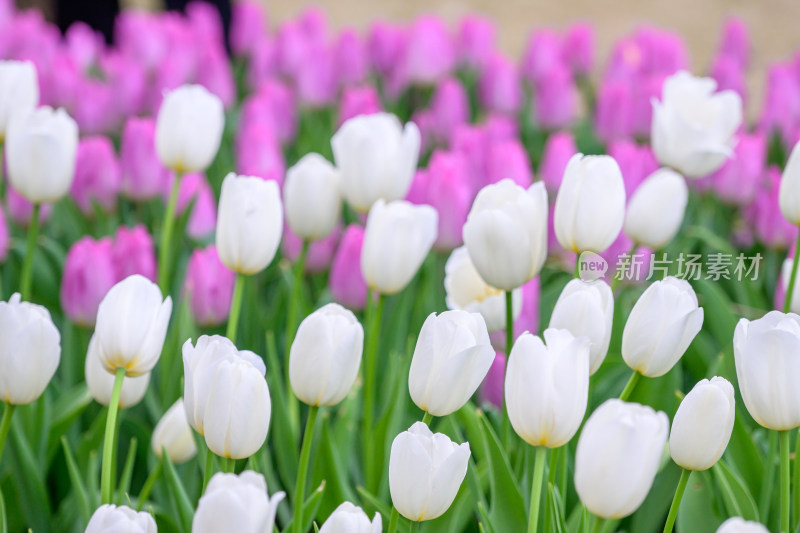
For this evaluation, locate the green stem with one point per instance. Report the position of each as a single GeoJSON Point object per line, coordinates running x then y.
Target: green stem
{"type": "Point", "coordinates": [5, 425]}
{"type": "Point", "coordinates": [536, 488]}
{"type": "Point", "coordinates": [236, 308]}
{"type": "Point", "coordinates": [106, 490]}
{"type": "Point", "coordinates": [676, 500]}
{"type": "Point", "coordinates": [796, 484]}
{"type": "Point", "coordinates": [427, 419]}
{"type": "Point", "coordinates": [302, 471]}
{"type": "Point", "coordinates": [576, 272]}
{"type": "Point", "coordinates": [297, 293]}
{"type": "Point", "coordinates": [598, 525]}
{"type": "Point", "coordinates": [209, 469]}
{"type": "Point", "coordinates": [374, 314]}
{"type": "Point", "coordinates": [165, 247]}
{"type": "Point", "coordinates": [393, 520]}
{"type": "Point", "coordinates": [784, 447]}
{"type": "Point", "coordinates": [509, 323]}
{"type": "Point", "coordinates": [27, 264]}
{"type": "Point", "coordinates": [149, 483]}
{"type": "Point", "coordinates": [228, 465]}
{"type": "Point", "coordinates": [787, 300]}
{"type": "Point", "coordinates": [626, 392]}
{"type": "Point", "coordinates": [413, 527]}
{"type": "Point", "coordinates": [768, 479]}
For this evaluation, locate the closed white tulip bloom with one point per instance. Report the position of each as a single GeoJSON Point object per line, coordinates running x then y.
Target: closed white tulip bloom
{"type": "Point", "coordinates": [465, 289]}
{"type": "Point", "coordinates": [425, 472]}
{"type": "Point", "coordinates": [377, 157]}
{"type": "Point", "coordinates": [661, 326]}
{"type": "Point", "coordinates": [740, 525]}
{"type": "Point", "coordinates": [101, 383]}
{"type": "Point", "coordinates": [693, 126]}
{"type": "Point", "coordinates": [619, 451]}
{"type": "Point", "coordinates": [313, 198]}
{"type": "Point", "coordinates": [325, 356]}
{"type": "Point", "coordinates": [702, 427]}
{"type": "Point", "coordinates": [547, 387]}
{"type": "Point", "coordinates": [173, 433]}
{"type": "Point", "coordinates": [19, 91]}
{"type": "Point", "coordinates": [189, 128]}
{"type": "Point", "coordinates": [348, 518]}
{"type": "Point", "coordinates": [111, 518]}
{"type": "Point", "coordinates": [586, 309]}
{"type": "Point", "coordinates": [131, 325]}
{"type": "Point", "coordinates": [789, 194]}
{"type": "Point", "coordinates": [30, 350]}
{"type": "Point", "coordinates": [506, 233]}
{"type": "Point", "coordinates": [40, 151]}
{"type": "Point", "coordinates": [767, 356]}
{"type": "Point", "coordinates": [249, 223]}
{"type": "Point", "coordinates": [656, 208]}
{"type": "Point", "coordinates": [236, 503]}
{"type": "Point", "coordinates": [451, 358]}
{"type": "Point", "coordinates": [590, 205]}
{"type": "Point", "coordinates": [397, 238]}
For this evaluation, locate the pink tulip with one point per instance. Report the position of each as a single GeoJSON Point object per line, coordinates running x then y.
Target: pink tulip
{"type": "Point", "coordinates": [346, 282]}
{"type": "Point", "coordinates": [320, 253]}
{"type": "Point", "coordinates": [765, 216]}
{"type": "Point", "coordinates": [528, 319]}
{"type": "Point", "coordinates": [449, 108]}
{"type": "Point", "coordinates": [781, 111]}
{"type": "Point", "coordinates": [386, 43]}
{"type": "Point", "coordinates": [316, 77]}
{"type": "Point", "coordinates": [635, 161]}
{"type": "Point", "coordinates": [248, 25]}
{"type": "Point", "coordinates": [729, 74]}
{"type": "Point", "coordinates": [740, 177]}
{"type": "Point", "coordinates": [472, 142]}
{"type": "Point", "coordinates": [97, 175]}
{"type": "Point", "coordinates": [475, 42]}
{"type": "Point", "coordinates": [352, 61]}
{"type": "Point", "coordinates": [21, 210]}
{"type": "Point", "coordinates": [209, 287]}
{"type": "Point", "coordinates": [542, 54]}
{"type": "Point", "coordinates": [357, 101]}
{"type": "Point", "coordinates": [492, 390]}
{"type": "Point", "coordinates": [499, 86]}
{"type": "Point", "coordinates": [216, 75]}
{"type": "Point", "coordinates": [558, 150]}
{"type": "Point", "coordinates": [428, 130]}
{"type": "Point", "coordinates": [500, 127]}
{"type": "Point", "coordinates": [83, 45]}
{"type": "Point", "coordinates": [555, 103]}
{"type": "Point", "coordinates": [508, 159]}
{"type": "Point", "coordinates": [259, 154]}
{"type": "Point", "coordinates": [139, 35]}
{"type": "Point", "coordinates": [649, 89]}
{"type": "Point", "coordinates": [127, 80]}
{"type": "Point", "coordinates": [133, 253]}
{"type": "Point", "coordinates": [735, 42]}
{"type": "Point", "coordinates": [429, 53]}
{"type": "Point", "coordinates": [4, 236]}
{"type": "Point", "coordinates": [94, 107]}
{"type": "Point", "coordinates": [195, 188]}
{"type": "Point", "coordinates": [88, 276]}
{"type": "Point", "coordinates": [262, 65]}
{"type": "Point", "coordinates": [272, 106]}
{"type": "Point", "coordinates": [143, 175]}
{"type": "Point", "coordinates": [579, 49]}
{"type": "Point", "coordinates": [614, 113]}
{"type": "Point", "coordinates": [205, 21]}
{"type": "Point", "coordinates": [59, 84]}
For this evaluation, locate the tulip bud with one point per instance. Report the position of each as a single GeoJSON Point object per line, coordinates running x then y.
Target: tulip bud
{"type": "Point", "coordinates": [131, 326]}
{"type": "Point", "coordinates": [425, 472]}
{"type": "Point", "coordinates": [109, 517]}
{"type": "Point", "coordinates": [31, 136]}
{"type": "Point", "coordinates": [30, 352]}
{"type": "Point", "coordinates": [346, 282]}
{"type": "Point", "coordinates": [702, 427]}
{"type": "Point", "coordinates": [586, 309]}
{"type": "Point", "coordinates": [377, 158]}
{"type": "Point", "coordinates": [397, 238]}
{"type": "Point", "coordinates": [189, 129]}
{"type": "Point", "coordinates": [451, 358]}
{"type": "Point", "coordinates": [143, 175]}
{"type": "Point", "coordinates": [101, 383]}
{"type": "Point", "coordinates": [672, 305]}
{"type": "Point", "coordinates": [740, 525]}
{"type": "Point", "coordinates": [559, 374]}
{"type": "Point", "coordinates": [236, 503]}
{"type": "Point", "coordinates": [619, 451]}
{"type": "Point", "coordinates": [134, 253]}
{"type": "Point", "coordinates": [590, 206]}
{"type": "Point", "coordinates": [20, 89]}
{"type": "Point", "coordinates": [655, 211]}
{"type": "Point", "coordinates": [347, 518]}
{"type": "Point", "coordinates": [88, 276]}
{"type": "Point", "coordinates": [209, 285]}
{"type": "Point", "coordinates": [506, 233]}
{"type": "Point", "coordinates": [325, 356]}
{"type": "Point", "coordinates": [249, 223]}
{"type": "Point", "coordinates": [312, 197]}
{"type": "Point", "coordinates": [173, 433]}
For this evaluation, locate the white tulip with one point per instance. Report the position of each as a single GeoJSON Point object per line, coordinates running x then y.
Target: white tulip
{"type": "Point", "coordinates": [767, 356]}
{"type": "Point", "coordinates": [397, 238]}
{"type": "Point", "coordinates": [189, 129]}
{"type": "Point", "coordinates": [312, 197]}
{"type": "Point", "coordinates": [19, 91]}
{"type": "Point", "coordinates": [131, 326]}
{"type": "Point", "coordinates": [590, 205]}
{"type": "Point", "coordinates": [740, 525]}
{"type": "Point", "coordinates": [661, 326]}
{"type": "Point", "coordinates": [249, 223]}
{"type": "Point", "coordinates": [325, 356]}
{"type": "Point", "coordinates": [452, 356]}
{"type": "Point", "coordinates": [347, 518]}
{"type": "Point", "coordinates": [108, 518]}
{"type": "Point", "coordinates": [101, 383]}
{"type": "Point", "coordinates": [425, 472]}
{"type": "Point", "coordinates": [236, 503]}
{"type": "Point", "coordinates": [30, 350]}
{"type": "Point", "coordinates": [655, 211]}
{"type": "Point", "coordinates": [789, 194]}
{"type": "Point", "coordinates": [377, 158]}
{"type": "Point", "coordinates": [465, 289]}
{"type": "Point", "coordinates": [693, 127]}
{"type": "Point", "coordinates": [586, 309]}
{"type": "Point", "coordinates": [173, 433]}
{"type": "Point", "coordinates": [702, 427]}
{"type": "Point", "coordinates": [506, 233]}
{"type": "Point", "coordinates": [619, 451]}
{"type": "Point", "coordinates": [40, 151]}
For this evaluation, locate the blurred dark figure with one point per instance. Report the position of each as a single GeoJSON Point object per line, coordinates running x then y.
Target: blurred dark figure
{"type": "Point", "coordinates": [99, 14]}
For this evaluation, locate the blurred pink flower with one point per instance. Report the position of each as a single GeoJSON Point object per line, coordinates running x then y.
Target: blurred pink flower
{"type": "Point", "coordinates": [216, 75]}
{"type": "Point", "coordinates": [97, 174]}
{"type": "Point", "coordinates": [781, 112]}
{"type": "Point", "coordinates": [499, 86]}
{"type": "Point", "coordinates": [579, 48]}
{"type": "Point", "coordinates": [449, 108]}
{"type": "Point", "coordinates": [133, 252]}
{"type": "Point", "coordinates": [88, 276]}
{"type": "Point", "coordinates": [21, 210]}
{"type": "Point", "coordinates": [356, 101]}
{"type": "Point", "coordinates": [635, 161]}
{"type": "Point", "coordinates": [508, 159]}
{"type": "Point", "coordinates": [316, 77]}
{"type": "Point", "coordinates": [492, 390]}
{"type": "Point", "coordinates": [209, 286]}
{"type": "Point", "coordinates": [194, 188]}
{"type": "Point", "coordinates": [346, 282]}
{"type": "Point", "coordinates": [83, 44]}
{"type": "Point", "coordinates": [272, 106]}
{"type": "Point", "coordinates": [555, 102]}
{"type": "Point", "coordinates": [386, 43]}
{"type": "Point", "coordinates": [126, 79]}
{"type": "Point", "coordinates": [729, 74]}
{"type": "Point", "coordinates": [248, 25]}
{"type": "Point", "coordinates": [262, 65]}
{"type": "Point", "coordinates": [739, 179]}
{"type": "Point", "coordinates": [500, 127]}
{"type": "Point", "coordinates": [143, 175]}
{"type": "Point", "coordinates": [352, 62]}
{"type": "Point", "coordinates": [542, 54]}
{"type": "Point", "coordinates": [765, 216]}
{"type": "Point", "coordinates": [258, 153]}
{"type": "Point", "coordinates": [558, 150]}
{"type": "Point", "coordinates": [4, 236]}
{"type": "Point", "coordinates": [472, 142]}
{"type": "Point", "coordinates": [475, 42]}
{"type": "Point", "coordinates": [614, 111]}
{"type": "Point", "coordinates": [429, 54]}
{"type": "Point", "coordinates": [735, 41]}
{"type": "Point", "coordinates": [94, 108]}
{"type": "Point", "coordinates": [528, 319]}
{"type": "Point", "coordinates": [320, 253]}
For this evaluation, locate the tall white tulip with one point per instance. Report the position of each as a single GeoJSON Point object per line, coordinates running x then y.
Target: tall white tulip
{"type": "Point", "coordinates": [325, 356]}
{"type": "Point", "coordinates": [397, 238]}
{"type": "Point", "coordinates": [452, 356]}
{"type": "Point", "coordinates": [236, 503]}
{"type": "Point", "coordinates": [740, 525]}
{"type": "Point", "coordinates": [173, 434]}
{"type": "Point", "coordinates": [590, 205]}
{"type": "Point", "coordinates": [506, 233]}
{"type": "Point", "coordinates": [189, 128]}
{"type": "Point", "coordinates": [348, 518]}
{"type": "Point", "coordinates": [377, 157]}
{"type": "Point", "coordinates": [30, 350]}
{"type": "Point", "coordinates": [40, 151]}
{"type": "Point", "coordinates": [789, 194]}
{"type": "Point", "coordinates": [655, 211]}
{"type": "Point", "coordinates": [693, 126]}
{"type": "Point", "coordinates": [249, 223]}
{"type": "Point", "coordinates": [19, 91]}
{"type": "Point", "coordinates": [702, 427]}
{"type": "Point", "coordinates": [618, 454]}
{"type": "Point", "coordinates": [767, 356]}
{"type": "Point", "coordinates": [661, 326]}
{"type": "Point", "coordinates": [131, 326]}
{"type": "Point", "coordinates": [425, 472]}
{"type": "Point", "coordinates": [101, 383]}
{"type": "Point", "coordinates": [109, 518]}
{"type": "Point", "coordinates": [586, 309]}
{"type": "Point", "coordinates": [312, 197]}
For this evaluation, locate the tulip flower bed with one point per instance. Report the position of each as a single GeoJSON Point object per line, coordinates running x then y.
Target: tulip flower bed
{"type": "Point", "coordinates": [275, 292]}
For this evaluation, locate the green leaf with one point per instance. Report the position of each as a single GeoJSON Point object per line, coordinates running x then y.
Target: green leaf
{"type": "Point", "coordinates": [3, 525]}
{"type": "Point", "coordinates": [310, 507]}
{"type": "Point", "coordinates": [127, 473]}
{"type": "Point", "coordinates": [78, 487]}
{"type": "Point", "coordinates": [373, 500]}
{"type": "Point", "coordinates": [33, 494]}
{"type": "Point", "coordinates": [67, 409]}
{"type": "Point", "coordinates": [179, 496]}
{"type": "Point", "coordinates": [554, 509]}
{"type": "Point", "coordinates": [696, 514]}
{"type": "Point", "coordinates": [738, 500]}
{"type": "Point", "coordinates": [653, 511]}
